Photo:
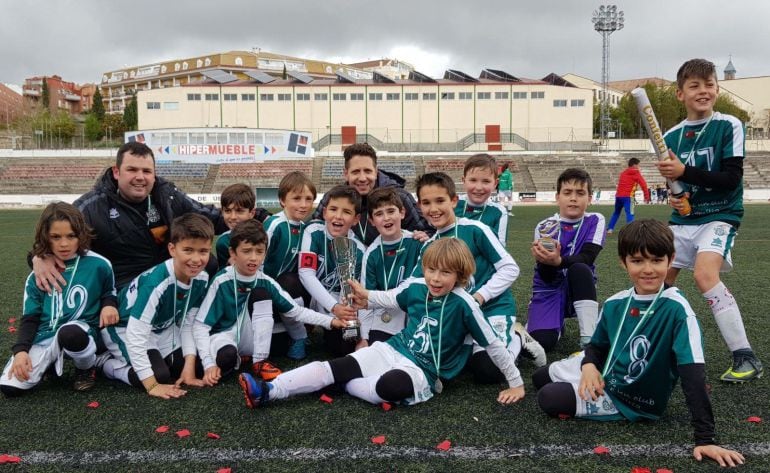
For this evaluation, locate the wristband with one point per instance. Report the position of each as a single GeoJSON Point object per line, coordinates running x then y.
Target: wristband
{"type": "Point", "coordinates": [155, 385]}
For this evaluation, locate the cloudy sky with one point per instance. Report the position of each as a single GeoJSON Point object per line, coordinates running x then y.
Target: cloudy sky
{"type": "Point", "coordinates": [81, 39]}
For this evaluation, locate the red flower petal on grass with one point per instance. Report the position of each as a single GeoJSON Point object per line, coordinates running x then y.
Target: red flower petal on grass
{"type": "Point", "coordinates": [11, 329]}
{"type": "Point", "coordinates": [640, 469]}
{"type": "Point", "coordinates": [378, 440]}
{"type": "Point", "coordinates": [754, 419]}
{"type": "Point", "coordinates": [386, 406]}
{"type": "Point", "coordinates": [601, 450]}
{"type": "Point", "coordinates": [326, 399]}
{"type": "Point", "coordinates": [12, 320]}
{"type": "Point", "coordinates": [444, 446]}
{"type": "Point", "coordinates": [9, 459]}
{"type": "Point", "coordinates": [663, 470]}
{"type": "Point", "coordinates": [93, 405]}
{"type": "Point", "coordinates": [213, 436]}
{"type": "Point", "coordinates": [225, 470]}
{"type": "Point", "coordinates": [182, 433]}
{"type": "Point", "coordinates": [162, 429]}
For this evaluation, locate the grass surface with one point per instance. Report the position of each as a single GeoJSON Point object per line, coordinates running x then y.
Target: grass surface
{"type": "Point", "coordinates": [55, 419]}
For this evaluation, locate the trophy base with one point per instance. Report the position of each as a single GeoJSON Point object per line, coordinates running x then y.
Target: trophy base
{"type": "Point", "coordinates": [352, 332]}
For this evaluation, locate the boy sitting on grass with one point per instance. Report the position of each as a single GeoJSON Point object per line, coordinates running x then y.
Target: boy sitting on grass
{"type": "Point", "coordinates": [647, 338]}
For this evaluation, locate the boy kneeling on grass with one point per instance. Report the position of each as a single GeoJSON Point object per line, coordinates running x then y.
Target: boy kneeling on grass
{"type": "Point", "coordinates": [413, 364]}
{"type": "Point", "coordinates": [647, 338]}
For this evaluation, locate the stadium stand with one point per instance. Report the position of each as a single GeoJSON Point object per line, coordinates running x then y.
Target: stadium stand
{"type": "Point", "coordinates": [49, 175]}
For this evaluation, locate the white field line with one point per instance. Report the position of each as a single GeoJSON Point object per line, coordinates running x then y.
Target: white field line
{"type": "Point", "coordinates": [366, 453]}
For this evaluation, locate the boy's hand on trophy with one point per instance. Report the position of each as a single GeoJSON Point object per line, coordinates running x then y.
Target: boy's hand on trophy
{"type": "Point", "coordinates": [359, 294]}
{"type": "Point", "coordinates": [339, 323]}
{"type": "Point", "coordinates": [344, 312]}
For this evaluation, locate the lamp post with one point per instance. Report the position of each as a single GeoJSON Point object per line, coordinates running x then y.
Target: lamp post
{"type": "Point", "coordinates": [607, 19]}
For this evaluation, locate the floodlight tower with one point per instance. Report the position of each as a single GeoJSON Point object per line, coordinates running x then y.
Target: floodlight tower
{"type": "Point", "coordinates": [606, 21]}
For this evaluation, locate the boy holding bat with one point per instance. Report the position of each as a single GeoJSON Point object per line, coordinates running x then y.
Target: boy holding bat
{"type": "Point", "coordinates": [710, 148]}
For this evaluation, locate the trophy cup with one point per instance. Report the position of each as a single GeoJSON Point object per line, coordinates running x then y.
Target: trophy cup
{"type": "Point", "coordinates": [345, 256]}
{"type": "Point", "coordinates": [548, 232]}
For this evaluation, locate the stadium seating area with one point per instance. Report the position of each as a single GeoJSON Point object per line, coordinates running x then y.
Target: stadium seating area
{"type": "Point", "coordinates": [261, 174]}
{"type": "Point", "coordinates": [48, 175]}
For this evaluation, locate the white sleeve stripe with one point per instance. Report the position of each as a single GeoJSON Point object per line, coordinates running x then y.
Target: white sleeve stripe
{"type": "Point", "coordinates": [151, 307]}
{"type": "Point", "coordinates": [600, 225]}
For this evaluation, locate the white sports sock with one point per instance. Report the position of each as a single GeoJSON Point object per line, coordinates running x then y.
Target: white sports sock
{"type": "Point", "coordinates": [305, 379]}
{"type": "Point", "coordinates": [262, 327]}
{"type": "Point", "coordinates": [364, 388]}
{"type": "Point", "coordinates": [294, 328]}
{"type": "Point", "coordinates": [84, 359]}
{"type": "Point", "coordinates": [116, 369]}
{"type": "Point", "coordinates": [588, 316]}
{"type": "Point", "coordinates": [727, 316]}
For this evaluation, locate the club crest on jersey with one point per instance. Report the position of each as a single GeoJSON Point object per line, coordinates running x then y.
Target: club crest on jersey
{"type": "Point", "coordinates": [114, 213]}
{"type": "Point", "coordinates": [690, 134]}
{"type": "Point", "coordinates": [294, 231]}
{"type": "Point", "coordinates": [634, 312]}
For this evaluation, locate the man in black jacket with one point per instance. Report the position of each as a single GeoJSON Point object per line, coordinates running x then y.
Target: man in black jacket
{"type": "Point", "coordinates": [130, 210]}
{"type": "Point", "coordinates": [361, 172]}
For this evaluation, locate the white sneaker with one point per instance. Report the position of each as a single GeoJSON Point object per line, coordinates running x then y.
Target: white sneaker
{"type": "Point", "coordinates": [531, 346]}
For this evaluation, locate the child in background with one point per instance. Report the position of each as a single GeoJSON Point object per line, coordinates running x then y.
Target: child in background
{"type": "Point", "coordinates": [389, 260]}
{"type": "Point", "coordinates": [629, 179]}
{"type": "Point", "coordinates": [318, 265]}
{"type": "Point", "coordinates": [479, 180]}
{"type": "Point", "coordinates": [411, 366]}
{"type": "Point", "coordinates": [153, 345]}
{"type": "Point", "coordinates": [709, 147]}
{"type": "Point", "coordinates": [238, 205]}
{"type": "Point", "coordinates": [505, 188]}
{"type": "Point", "coordinates": [647, 338]}
{"type": "Point", "coordinates": [236, 316]}
{"type": "Point", "coordinates": [565, 249]}
{"type": "Point", "coordinates": [58, 324]}
{"type": "Point", "coordinates": [296, 193]}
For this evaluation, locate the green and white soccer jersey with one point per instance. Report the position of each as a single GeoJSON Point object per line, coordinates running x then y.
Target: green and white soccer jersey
{"type": "Point", "coordinates": [436, 328]}
{"type": "Point", "coordinates": [318, 266]}
{"type": "Point", "coordinates": [285, 238]}
{"type": "Point", "coordinates": [385, 266]}
{"type": "Point", "coordinates": [495, 269]}
{"type": "Point", "coordinates": [89, 278]}
{"type": "Point", "coordinates": [642, 370]}
{"type": "Point", "coordinates": [223, 249]}
{"type": "Point", "coordinates": [704, 144]}
{"type": "Point", "coordinates": [491, 214]}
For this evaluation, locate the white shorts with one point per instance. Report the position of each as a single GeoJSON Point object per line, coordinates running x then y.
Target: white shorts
{"type": "Point", "coordinates": [715, 237]}
{"type": "Point", "coordinates": [569, 371]}
{"type": "Point", "coordinates": [504, 195]}
{"type": "Point", "coordinates": [114, 339]}
{"type": "Point", "coordinates": [379, 358]}
{"type": "Point", "coordinates": [42, 355]}
{"type": "Point", "coordinates": [245, 345]}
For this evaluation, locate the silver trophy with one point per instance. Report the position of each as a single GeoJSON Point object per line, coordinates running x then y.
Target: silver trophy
{"type": "Point", "coordinates": [549, 232]}
{"type": "Point", "coordinates": [345, 256]}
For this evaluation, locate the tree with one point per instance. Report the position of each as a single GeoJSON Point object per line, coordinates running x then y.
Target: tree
{"type": "Point", "coordinates": [131, 114]}
{"type": "Point", "coordinates": [98, 106]}
{"type": "Point", "coordinates": [93, 128]}
{"type": "Point", "coordinates": [725, 104]}
{"type": "Point", "coordinates": [45, 96]}
{"type": "Point", "coordinates": [113, 127]}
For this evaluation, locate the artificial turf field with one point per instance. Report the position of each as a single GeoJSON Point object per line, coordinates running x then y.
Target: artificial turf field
{"type": "Point", "coordinates": [53, 429]}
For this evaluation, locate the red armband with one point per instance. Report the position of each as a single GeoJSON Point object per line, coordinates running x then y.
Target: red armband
{"type": "Point", "coordinates": [308, 260]}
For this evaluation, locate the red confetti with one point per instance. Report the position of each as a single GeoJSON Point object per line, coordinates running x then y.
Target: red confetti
{"type": "Point", "coordinates": [378, 440]}
{"type": "Point", "coordinates": [564, 416]}
{"type": "Point", "coordinates": [601, 450]}
{"type": "Point", "coordinates": [326, 399]}
{"type": "Point", "coordinates": [213, 436]}
{"type": "Point", "coordinates": [754, 419]}
{"type": "Point", "coordinates": [9, 459]}
{"type": "Point", "coordinates": [444, 446]}
{"type": "Point", "coordinates": [640, 469]}
{"type": "Point", "coordinates": [11, 329]}
{"type": "Point", "coordinates": [162, 429]}
{"type": "Point", "coordinates": [93, 405]}
{"type": "Point", "coordinates": [182, 433]}
{"type": "Point", "coordinates": [386, 406]}
{"type": "Point", "coordinates": [663, 470]}
{"type": "Point", "coordinates": [12, 320]}
{"type": "Point", "coordinates": [225, 470]}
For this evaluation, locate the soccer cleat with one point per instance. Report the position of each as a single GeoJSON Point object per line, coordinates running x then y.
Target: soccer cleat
{"type": "Point", "coordinates": [297, 349]}
{"type": "Point", "coordinates": [746, 367]}
{"type": "Point", "coordinates": [531, 346]}
{"type": "Point", "coordinates": [256, 391]}
{"type": "Point", "coordinates": [265, 370]}
{"type": "Point", "coordinates": [609, 231]}
{"type": "Point", "coordinates": [84, 379]}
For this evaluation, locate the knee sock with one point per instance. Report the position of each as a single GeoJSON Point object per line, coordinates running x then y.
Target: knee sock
{"type": "Point", "coordinates": [294, 328]}
{"type": "Point", "coordinates": [727, 316]}
{"type": "Point", "coordinates": [558, 399]}
{"type": "Point", "coordinates": [364, 388]}
{"type": "Point", "coordinates": [305, 379]}
{"type": "Point", "coordinates": [262, 326]}
{"type": "Point", "coordinates": [116, 369]}
{"type": "Point", "coordinates": [587, 312]}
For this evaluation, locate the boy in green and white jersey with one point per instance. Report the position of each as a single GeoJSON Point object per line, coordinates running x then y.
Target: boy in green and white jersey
{"type": "Point", "coordinates": [236, 316]}
{"type": "Point", "coordinates": [389, 260]}
{"type": "Point", "coordinates": [709, 151]}
{"type": "Point", "coordinates": [239, 204]}
{"type": "Point", "coordinates": [646, 339]}
{"type": "Point", "coordinates": [479, 180]}
{"type": "Point", "coordinates": [413, 365]}
{"type": "Point", "coordinates": [153, 345]}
